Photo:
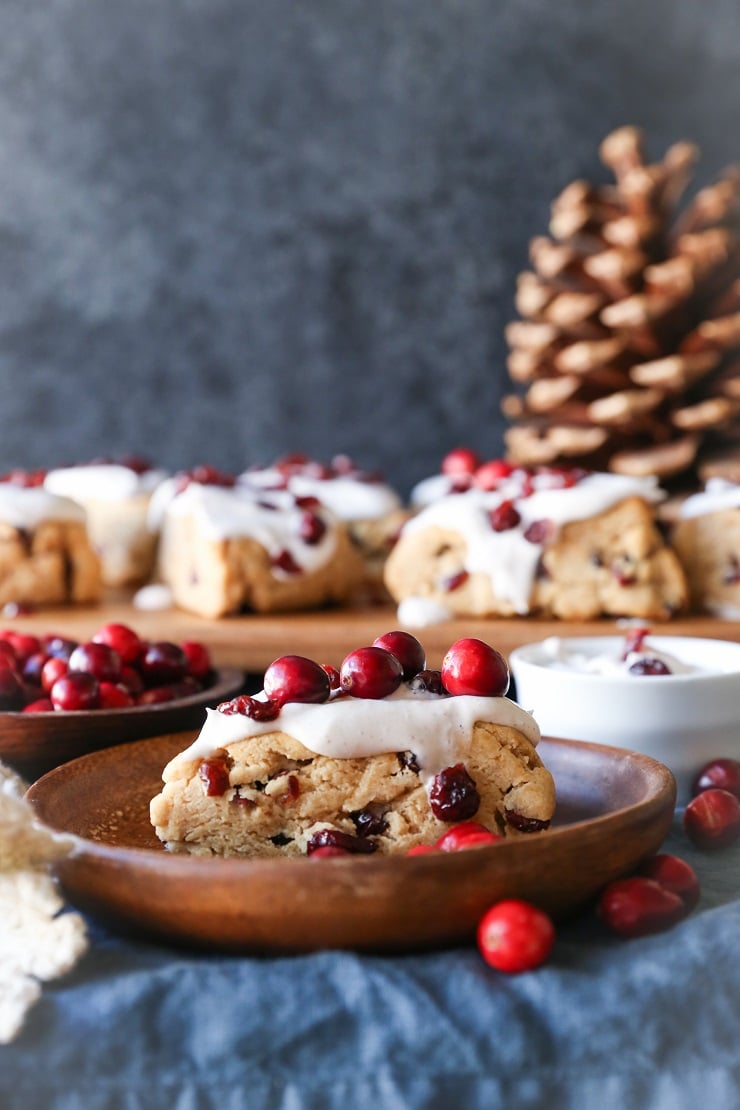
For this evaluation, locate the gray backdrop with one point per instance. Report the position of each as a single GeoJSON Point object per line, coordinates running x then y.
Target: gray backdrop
{"type": "Point", "coordinates": [232, 228]}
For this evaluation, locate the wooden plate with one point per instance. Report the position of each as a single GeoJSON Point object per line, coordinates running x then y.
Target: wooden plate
{"type": "Point", "coordinates": [614, 808]}
{"type": "Point", "coordinates": [33, 743]}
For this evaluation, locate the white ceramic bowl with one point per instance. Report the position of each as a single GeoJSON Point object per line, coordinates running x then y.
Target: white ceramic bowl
{"type": "Point", "coordinates": [682, 720]}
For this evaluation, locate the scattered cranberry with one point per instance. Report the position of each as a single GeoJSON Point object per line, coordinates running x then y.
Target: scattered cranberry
{"type": "Point", "coordinates": [722, 774]}
{"type": "Point", "coordinates": [370, 672]}
{"type": "Point", "coordinates": [41, 705]}
{"type": "Point", "coordinates": [96, 659]}
{"type": "Point", "coordinates": [712, 819]}
{"type": "Point", "coordinates": [462, 460]}
{"type": "Point", "coordinates": [453, 795]}
{"type": "Point", "coordinates": [491, 474]}
{"type": "Point", "coordinates": [75, 691]}
{"type": "Point", "coordinates": [122, 639]}
{"type": "Point", "coordinates": [162, 662]}
{"type": "Point", "coordinates": [406, 649]}
{"type": "Point", "coordinates": [468, 834]}
{"type": "Point", "coordinates": [114, 696]}
{"type": "Point", "coordinates": [472, 667]}
{"type": "Point", "coordinates": [12, 695]}
{"type": "Point", "coordinates": [250, 707]}
{"type": "Point", "coordinates": [215, 775]}
{"type": "Point", "coordinates": [539, 531]}
{"type": "Point", "coordinates": [295, 678]}
{"type": "Point", "coordinates": [312, 528]}
{"type": "Point", "coordinates": [648, 665]}
{"type": "Point", "coordinates": [333, 838]}
{"type": "Point", "coordinates": [675, 875]}
{"type": "Point", "coordinates": [504, 517]}
{"type": "Point", "coordinates": [514, 936]}
{"type": "Point", "coordinates": [639, 906]}
{"type": "Point", "coordinates": [431, 681]}
{"type": "Point", "coordinates": [332, 674]}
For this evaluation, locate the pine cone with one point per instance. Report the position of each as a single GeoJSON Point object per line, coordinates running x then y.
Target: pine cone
{"type": "Point", "coordinates": [629, 342]}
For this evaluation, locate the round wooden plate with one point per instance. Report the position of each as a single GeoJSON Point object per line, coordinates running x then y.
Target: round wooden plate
{"type": "Point", "coordinates": [33, 743]}
{"type": "Point", "coordinates": [614, 808]}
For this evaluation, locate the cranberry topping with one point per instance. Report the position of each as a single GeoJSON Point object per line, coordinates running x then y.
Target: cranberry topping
{"type": "Point", "coordinates": [406, 649]}
{"type": "Point", "coordinates": [333, 838]}
{"type": "Point", "coordinates": [462, 460]}
{"type": "Point", "coordinates": [312, 528]}
{"type": "Point", "coordinates": [368, 823]}
{"type": "Point", "coordinates": [634, 640]}
{"type": "Point", "coordinates": [26, 479]}
{"type": "Point", "coordinates": [246, 706]}
{"type": "Point", "coordinates": [639, 906]}
{"type": "Point", "coordinates": [491, 473]}
{"type": "Point", "coordinates": [454, 581]}
{"type": "Point", "coordinates": [431, 681]}
{"type": "Point", "coordinates": [473, 667]}
{"type": "Point", "coordinates": [539, 531]}
{"type": "Point", "coordinates": [370, 672]}
{"type": "Point", "coordinates": [308, 501]}
{"type": "Point", "coordinates": [504, 517]}
{"type": "Point", "coordinates": [649, 665]}
{"type": "Point", "coordinates": [295, 678]}
{"type": "Point", "coordinates": [453, 795]}
{"type": "Point", "coordinates": [525, 824]}
{"type": "Point", "coordinates": [214, 773]}
{"type": "Point", "coordinates": [204, 476]}
{"type": "Point", "coordinates": [285, 562]}
{"type": "Point", "coordinates": [332, 674]}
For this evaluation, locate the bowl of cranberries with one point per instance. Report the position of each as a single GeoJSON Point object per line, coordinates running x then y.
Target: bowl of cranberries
{"type": "Point", "coordinates": [60, 698]}
{"type": "Point", "coordinates": [675, 698]}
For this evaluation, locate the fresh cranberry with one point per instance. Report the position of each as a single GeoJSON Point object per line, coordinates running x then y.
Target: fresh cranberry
{"type": "Point", "coordinates": [370, 672]}
{"type": "Point", "coordinates": [295, 678]}
{"type": "Point", "coordinates": [285, 562]}
{"type": "Point", "coordinates": [515, 936]}
{"type": "Point", "coordinates": [214, 774]}
{"type": "Point", "coordinates": [12, 694]}
{"type": "Point", "coordinates": [23, 645]}
{"type": "Point", "coordinates": [132, 680]}
{"type": "Point", "coordinates": [722, 774]}
{"type": "Point", "coordinates": [171, 691]}
{"type": "Point", "coordinates": [504, 517]}
{"type": "Point", "coordinates": [491, 474]}
{"type": "Point", "coordinates": [712, 819]}
{"type": "Point", "coordinates": [675, 875]}
{"type": "Point", "coordinates": [468, 834]}
{"type": "Point", "coordinates": [328, 850]}
{"type": "Point", "coordinates": [333, 838]}
{"type": "Point", "coordinates": [421, 850]}
{"type": "Point", "coordinates": [114, 696]}
{"type": "Point", "coordinates": [312, 528]}
{"type": "Point", "coordinates": [638, 906]}
{"type": "Point", "coordinates": [454, 581]}
{"type": "Point", "coordinates": [204, 476]}
{"type": "Point", "coordinates": [52, 669]}
{"type": "Point", "coordinates": [6, 652]}
{"type": "Point", "coordinates": [539, 531]}
{"type": "Point", "coordinates": [96, 659]}
{"type": "Point", "coordinates": [122, 639]}
{"type": "Point", "coordinates": [75, 691]}
{"type": "Point", "coordinates": [332, 674]}
{"type": "Point", "coordinates": [473, 667]}
{"type": "Point", "coordinates": [624, 573]}
{"type": "Point", "coordinates": [59, 647]}
{"type": "Point", "coordinates": [431, 681]}
{"type": "Point", "coordinates": [453, 795]}
{"type": "Point", "coordinates": [462, 460]}
{"type": "Point", "coordinates": [33, 667]}
{"type": "Point", "coordinates": [162, 662]}
{"type": "Point", "coordinates": [648, 665]}
{"type": "Point", "coordinates": [198, 658]}
{"type": "Point", "coordinates": [406, 649]}
{"type": "Point", "coordinates": [41, 705]}
{"type": "Point", "coordinates": [250, 707]}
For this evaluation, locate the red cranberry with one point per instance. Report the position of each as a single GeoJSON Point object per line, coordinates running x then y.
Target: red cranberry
{"type": "Point", "coordinates": [675, 875]}
{"type": "Point", "coordinates": [712, 819]}
{"type": "Point", "coordinates": [96, 659]}
{"type": "Point", "coordinates": [368, 823]}
{"type": "Point", "coordinates": [171, 691]}
{"type": "Point", "coordinates": [6, 652]}
{"type": "Point", "coordinates": [214, 774]}
{"type": "Point", "coordinates": [453, 795]}
{"type": "Point", "coordinates": [312, 528]}
{"type": "Point", "coordinates": [454, 581]}
{"type": "Point", "coordinates": [333, 838]}
{"type": "Point", "coordinates": [525, 824]}
{"type": "Point", "coordinates": [122, 639]}
{"type": "Point", "coordinates": [421, 850]}
{"type": "Point", "coordinates": [41, 705]}
{"type": "Point", "coordinates": [490, 474]}
{"type": "Point", "coordinates": [59, 647]}
{"type": "Point", "coordinates": [462, 460]}
{"type": "Point", "coordinates": [638, 906]}
{"type": "Point", "coordinates": [431, 681]}
{"type": "Point", "coordinates": [52, 669]}
{"type": "Point", "coordinates": [406, 649]}
{"type": "Point", "coordinates": [473, 667]}
{"type": "Point", "coordinates": [504, 517]}
{"type": "Point", "coordinates": [370, 672]}
{"type": "Point", "coordinates": [468, 834]}
{"type": "Point", "coordinates": [295, 678]}
{"type": "Point", "coordinates": [515, 936]}
{"type": "Point", "coordinates": [649, 666]}
{"type": "Point", "coordinates": [33, 667]}
{"type": "Point", "coordinates": [162, 662]}
{"type": "Point", "coordinates": [23, 645]}
{"type": "Point", "coordinates": [332, 674]}
{"type": "Point", "coordinates": [75, 691]}
{"type": "Point", "coordinates": [12, 694]}
{"type": "Point", "coordinates": [114, 696]}
{"type": "Point", "coordinates": [285, 562]}
{"type": "Point", "coordinates": [539, 531]}
{"type": "Point", "coordinates": [250, 707]}
{"type": "Point", "coordinates": [722, 774]}
{"type": "Point", "coordinates": [198, 658]}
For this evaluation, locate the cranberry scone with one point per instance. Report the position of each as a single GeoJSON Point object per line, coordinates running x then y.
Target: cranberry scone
{"type": "Point", "coordinates": [382, 756]}
{"type": "Point", "coordinates": [226, 546]}
{"type": "Point", "coordinates": [555, 542]}
{"type": "Point", "coordinates": [115, 495]}
{"type": "Point", "coordinates": [45, 553]}
{"type": "Point", "coordinates": [707, 541]}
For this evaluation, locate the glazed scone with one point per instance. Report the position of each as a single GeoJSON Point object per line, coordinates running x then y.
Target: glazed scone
{"type": "Point", "coordinates": [707, 541]}
{"type": "Point", "coordinates": [355, 773]}
{"type": "Point", "coordinates": [371, 510]}
{"type": "Point", "coordinates": [115, 496]}
{"type": "Point", "coordinates": [45, 554]}
{"type": "Point", "coordinates": [549, 542]}
{"type": "Point", "coordinates": [226, 547]}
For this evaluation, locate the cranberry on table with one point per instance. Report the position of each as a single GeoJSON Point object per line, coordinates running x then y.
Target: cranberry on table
{"type": "Point", "coordinates": [370, 672]}
{"type": "Point", "coordinates": [674, 874]}
{"type": "Point", "coordinates": [75, 691]}
{"type": "Point", "coordinates": [122, 639]}
{"type": "Point", "coordinates": [473, 667]}
{"type": "Point", "coordinates": [453, 795]}
{"type": "Point", "coordinates": [162, 662]}
{"type": "Point", "coordinates": [406, 648]}
{"type": "Point", "coordinates": [468, 834]}
{"type": "Point", "coordinates": [720, 774]}
{"type": "Point", "coordinates": [297, 679]}
{"type": "Point", "coordinates": [712, 819]}
{"type": "Point", "coordinates": [514, 936]}
{"type": "Point", "coordinates": [96, 659]}
{"type": "Point", "coordinates": [639, 906]}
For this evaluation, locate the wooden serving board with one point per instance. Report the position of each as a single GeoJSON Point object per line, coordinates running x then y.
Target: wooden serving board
{"type": "Point", "coordinates": [251, 641]}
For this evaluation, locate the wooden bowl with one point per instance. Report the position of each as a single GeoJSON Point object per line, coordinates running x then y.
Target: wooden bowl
{"type": "Point", "coordinates": [614, 808]}
{"type": "Point", "coordinates": [34, 743]}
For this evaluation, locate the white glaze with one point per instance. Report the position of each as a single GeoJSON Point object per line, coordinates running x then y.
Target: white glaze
{"type": "Point", "coordinates": [436, 729]}
{"type": "Point", "coordinates": [153, 598]}
{"type": "Point", "coordinates": [102, 482]}
{"type": "Point", "coordinates": [348, 498]}
{"type": "Point", "coordinates": [559, 654]}
{"type": "Point", "coordinates": [27, 507]}
{"type": "Point", "coordinates": [421, 612]}
{"type": "Point", "coordinates": [718, 495]}
{"type": "Point", "coordinates": [507, 558]}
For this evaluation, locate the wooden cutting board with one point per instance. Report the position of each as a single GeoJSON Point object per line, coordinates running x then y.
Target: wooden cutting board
{"type": "Point", "coordinates": [252, 641]}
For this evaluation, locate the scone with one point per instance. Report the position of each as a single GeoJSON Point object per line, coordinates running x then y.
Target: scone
{"type": "Point", "coordinates": [707, 541]}
{"type": "Point", "coordinates": [561, 543]}
{"type": "Point", "coordinates": [45, 554]}
{"type": "Point", "coordinates": [371, 510]}
{"type": "Point", "coordinates": [115, 496]}
{"type": "Point", "coordinates": [388, 766]}
{"type": "Point", "coordinates": [225, 547]}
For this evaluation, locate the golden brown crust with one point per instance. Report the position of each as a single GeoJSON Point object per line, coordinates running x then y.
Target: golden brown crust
{"type": "Point", "coordinates": [52, 564]}
{"type": "Point", "coordinates": [709, 549]}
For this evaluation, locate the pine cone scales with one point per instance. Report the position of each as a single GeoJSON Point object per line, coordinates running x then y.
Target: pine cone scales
{"type": "Point", "coordinates": [628, 346]}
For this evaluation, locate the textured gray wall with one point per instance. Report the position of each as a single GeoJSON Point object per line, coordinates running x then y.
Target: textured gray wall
{"type": "Point", "coordinates": [231, 228]}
